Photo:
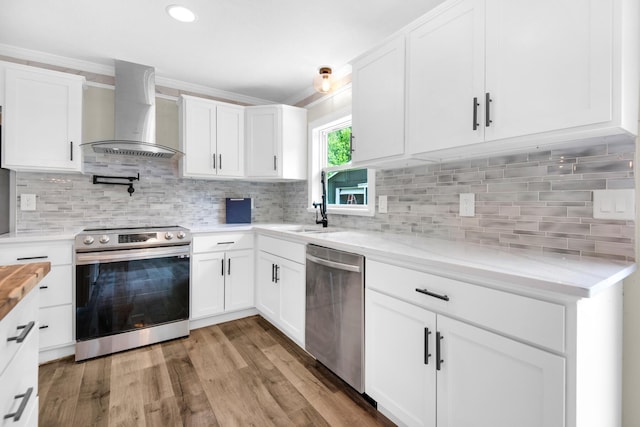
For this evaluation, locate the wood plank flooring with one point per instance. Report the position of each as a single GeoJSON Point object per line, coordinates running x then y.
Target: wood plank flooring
{"type": "Point", "coordinates": [240, 373]}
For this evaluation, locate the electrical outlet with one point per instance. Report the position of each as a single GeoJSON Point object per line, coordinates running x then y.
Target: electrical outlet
{"type": "Point", "coordinates": [467, 204]}
{"type": "Point", "coordinates": [27, 202]}
{"type": "Point", "coordinates": [382, 204]}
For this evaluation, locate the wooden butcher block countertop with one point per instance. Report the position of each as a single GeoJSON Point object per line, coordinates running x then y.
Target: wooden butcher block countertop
{"type": "Point", "coordinates": [17, 280]}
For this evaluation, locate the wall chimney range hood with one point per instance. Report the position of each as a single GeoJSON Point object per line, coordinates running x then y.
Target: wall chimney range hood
{"type": "Point", "coordinates": [135, 115]}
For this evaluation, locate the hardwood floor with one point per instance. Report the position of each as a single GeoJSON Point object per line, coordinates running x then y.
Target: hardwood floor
{"type": "Point", "coordinates": [240, 373]}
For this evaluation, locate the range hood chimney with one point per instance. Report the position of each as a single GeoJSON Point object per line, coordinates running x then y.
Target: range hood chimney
{"type": "Point", "coordinates": [135, 115]}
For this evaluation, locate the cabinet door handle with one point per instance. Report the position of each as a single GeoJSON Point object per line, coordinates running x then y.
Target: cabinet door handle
{"type": "Point", "coordinates": [351, 138]}
{"type": "Point", "coordinates": [220, 161]}
{"type": "Point", "coordinates": [439, 360]}
{"type": "Point", "coordinates": [277, 276]}
{"type": "Point", "coordinates": [273, 273]}
{"type": "Point", "coordinates": [487, 109]}
{"type": "Point", "coordinates": [275, 163]}
{"type": "Point", "coordinates": [432, 294]}
{"type": "Point", "coordinates": [25, 331]}
{"type": "Point", "coordinates": [427, 355]}
{"type": "Point", "coordinates": [43, 327]}
{"type": "Point", "coordinates": [44, 287]}
{"type": "Point", "coordinates": [25, 258]}
{"type": "Point", "coordinates": [214, 161]}
{"type": "Point", "coordinates": [25, 399]}
{"type": "Point", "coordinates": [475, 113]}
{"type": "Point", "coordinates": [71, 151]}
{"type": "Point", "coordinates": [222, 267]}
{"type": "Point", "coordinates": [229, 267]}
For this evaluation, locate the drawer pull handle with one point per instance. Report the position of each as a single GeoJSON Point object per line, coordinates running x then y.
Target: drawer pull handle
{"type": "Point", "coordinates": [439, 360]}
{"type": "Point", "coordinates": [25, 258]}
{"type": "Point", "coordinates": [25, 331]}
{"type": "Point", "coordinates": [44, 327]}
{"type": "Point", "coordinates": [431, 294]}
{"type": "Point", "coordinates": [427, 355]}
{"type": "Point", "coordinates": [225, 243]}
{"type": "Point", "coordinates": [25, 399]}
{"type": "Point", "coordinates": [44, 287]}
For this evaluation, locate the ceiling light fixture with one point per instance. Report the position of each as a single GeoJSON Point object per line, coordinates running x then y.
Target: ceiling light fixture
{"type": "Point", "coordinates": [324, 80]}
{"type": "Point", "coordinates": [181, 13]}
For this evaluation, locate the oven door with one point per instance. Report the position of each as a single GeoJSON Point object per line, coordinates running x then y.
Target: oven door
{"type": "Point", "coordinates": [125, 290]}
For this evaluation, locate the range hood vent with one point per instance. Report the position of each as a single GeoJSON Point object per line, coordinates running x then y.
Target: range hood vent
{"type": "Point", "coordinates": [135, 115]}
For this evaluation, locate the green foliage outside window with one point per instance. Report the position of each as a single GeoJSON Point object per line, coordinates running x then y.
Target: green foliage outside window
{"type": "Point", "coordinates": [339, 147]}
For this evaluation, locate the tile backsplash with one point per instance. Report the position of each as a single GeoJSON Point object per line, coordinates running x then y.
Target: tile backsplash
{"type": "Point", "coordinates": [70, 202]}
{"type": "Point", "coordinates": [539, 201]}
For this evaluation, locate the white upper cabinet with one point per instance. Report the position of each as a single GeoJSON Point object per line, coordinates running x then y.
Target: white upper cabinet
{"type": "Point", "coordinates": [212, 138]}
{"type": "Point", "coordinates": [276, 142]}
{"type": "Point", "coordinates": [445, 72]}
{"type": "Point", "coordinates": [378, 103]}
{"type": "Point", "coordinates": [487, 76]}
{"type": "Point", "coordinates": [548, 65]}
{"type": "Point", "coordinates": [42, 126]}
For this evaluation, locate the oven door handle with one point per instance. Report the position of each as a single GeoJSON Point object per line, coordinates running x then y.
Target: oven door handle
{"type": "Point", "coordinates": [84, 258]}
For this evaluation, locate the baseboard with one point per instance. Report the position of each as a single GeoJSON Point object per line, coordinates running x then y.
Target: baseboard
{"type": "Point", "coordinates": [51, 354]}
{"type": "Point", "coordinates": [225, 317]}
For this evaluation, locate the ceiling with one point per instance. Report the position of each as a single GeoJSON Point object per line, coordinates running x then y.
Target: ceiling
{"type": "Point", "coordinates": [266, 49]}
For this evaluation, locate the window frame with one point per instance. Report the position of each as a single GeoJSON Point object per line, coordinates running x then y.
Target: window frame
{"type": "Point", "coordinates": [318, 162]}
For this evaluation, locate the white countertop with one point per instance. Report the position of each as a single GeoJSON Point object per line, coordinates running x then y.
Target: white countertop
{"type": "Point", "coordinates": [484, 265]}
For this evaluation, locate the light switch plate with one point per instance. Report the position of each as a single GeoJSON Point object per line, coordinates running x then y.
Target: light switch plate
{"type": "Point", "coordinates": [382, 204]}
{"type": "Point", "coordinates": [27, 202]}
{"type": "Point", "coordinates": [467, 204]}
{"type": "Point", "coordinates": [614, 204]}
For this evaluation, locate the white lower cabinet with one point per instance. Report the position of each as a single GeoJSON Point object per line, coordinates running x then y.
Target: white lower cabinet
{"type": "Point", "coordinates": [19, 364]}
{"type": "Point", "coordinates": [222, 280]}
{"type": "Point", "coordinates": [281, 285]}
{"type": "Point", "coordinates": [426, 368]}
{"type": "Point", "coordinates": [56, 293]}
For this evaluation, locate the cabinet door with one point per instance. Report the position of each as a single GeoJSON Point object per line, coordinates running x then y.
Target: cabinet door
{"type": "Point", "coordinates": [207, 284]}
{"type": "Point", "coordinates": [548, 65]}
{"type": "Point", "coordinates": [445, 71]}
{"type": "Point", "coordinates": [239, 279]}
{"type": "Point", "coordinates": [400, 358]}
{"type": "Point", "coordinates": [487, 380]}
{"type": "Point", "coordinates": [42, 121]}
{"type": "Point", "coordinates": [291, 280]}
{"type": "Point", "coordinates": [56, 326]}
{"type": "Point", "coordinates": [378, 102]}
{"type": "Point", "coordinates": [199, 138]}
{"type": "Point", "coordinates": [230, 140]}
{"type": "Point", "coordinates": [267, 290]}
{"type": "Point", "coordinates": [263, 140]}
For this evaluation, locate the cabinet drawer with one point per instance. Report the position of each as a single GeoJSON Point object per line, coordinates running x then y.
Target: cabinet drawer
{"type": "Point", "coordinates": [21, 315]}
{"type": "Point", "coordinates": [56, 253]}
{"type": "Point", "coordinates": [56, 325]}
{"type": "Point", "coordinates": [283, 248]}
{"type": "Point", "coordinates": [56, 287]}
{"type": "Point", "coordinates": [20, 375]}
{"type": "Point", "coordinates": [222, 242]}
{"type": "Point", "coordinates": [524, 318]}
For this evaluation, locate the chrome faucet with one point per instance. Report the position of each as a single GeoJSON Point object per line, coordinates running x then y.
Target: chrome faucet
{"type": "Point", "coordinates": [323, 205]}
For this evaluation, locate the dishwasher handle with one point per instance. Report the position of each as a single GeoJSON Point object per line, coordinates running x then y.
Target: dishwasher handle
{"type": "Point", "coordinates": [334, 264]}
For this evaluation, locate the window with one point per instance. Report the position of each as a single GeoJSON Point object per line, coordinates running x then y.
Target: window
{"type": "Point", "coordinates": [348, 188]}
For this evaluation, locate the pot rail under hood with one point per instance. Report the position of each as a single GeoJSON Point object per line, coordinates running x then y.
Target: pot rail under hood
{"type": "Point", "coordinates": [135, 115]}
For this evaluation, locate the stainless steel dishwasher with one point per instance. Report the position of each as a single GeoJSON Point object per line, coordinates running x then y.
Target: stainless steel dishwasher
{"type": "Point", "coordinates": [334, 331]}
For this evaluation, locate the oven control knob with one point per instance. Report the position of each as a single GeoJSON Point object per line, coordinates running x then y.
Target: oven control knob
{"type": "Point", "coordinates": [88, 240]}
{"type": "Point", "coordinates": [104, 239]}
{"type": "Point", "coordinates": [181, 235]}
{"type": "Point", "coordinates": [168, 235]}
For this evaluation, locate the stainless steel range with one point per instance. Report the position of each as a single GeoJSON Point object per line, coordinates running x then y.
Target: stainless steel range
{"type": "Point", "coordinates": [132, 288]}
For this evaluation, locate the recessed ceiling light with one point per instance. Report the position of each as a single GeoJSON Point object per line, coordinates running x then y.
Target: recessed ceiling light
{"type": "Point", "coordinates": [181, 13]}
